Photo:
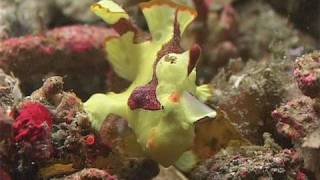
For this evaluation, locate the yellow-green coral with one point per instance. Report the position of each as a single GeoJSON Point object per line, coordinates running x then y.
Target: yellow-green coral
{"type": "Point", "coordinates": [163, 102]}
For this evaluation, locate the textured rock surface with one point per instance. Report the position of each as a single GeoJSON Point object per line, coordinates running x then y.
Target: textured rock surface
{"type": "Point", "coordinates": [249, 162]}
{"type": "Point", "coordinates": [34, 16]}
{"type": "Point", "coordinates": [8, 19]}
{"type": "Point", "coordinates": [10, 92]}
{"type": "Point", "coordinates": [259, 36]}
{"type": "Point", "coordinates": [299, 118]}
{"type": "Point", "coordinates": [307, 74]}
{"type": "Point", "coordinates": [75, 52]}
{"type": "Point", "coordinates": [304, 13]}
{"type": "Point", "coordinates": [77, 10]}
{"type": "Point", "coordinates": [90, 173]}
{"type": "Point", "coordinates": [249, 96]}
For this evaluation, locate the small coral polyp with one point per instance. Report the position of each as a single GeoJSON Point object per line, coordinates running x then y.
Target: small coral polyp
{"type": "Point", "coordinates": [163, 101]}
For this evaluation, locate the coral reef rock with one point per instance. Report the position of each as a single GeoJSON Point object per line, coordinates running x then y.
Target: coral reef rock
{"type": "Point", "coordinates": [249, 162]}
{"type": "Point", "coordinates": [298, 119]}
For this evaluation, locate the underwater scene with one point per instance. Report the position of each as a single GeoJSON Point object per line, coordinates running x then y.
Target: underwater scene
{"type": "Point", "coordinates": [159, 89]}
